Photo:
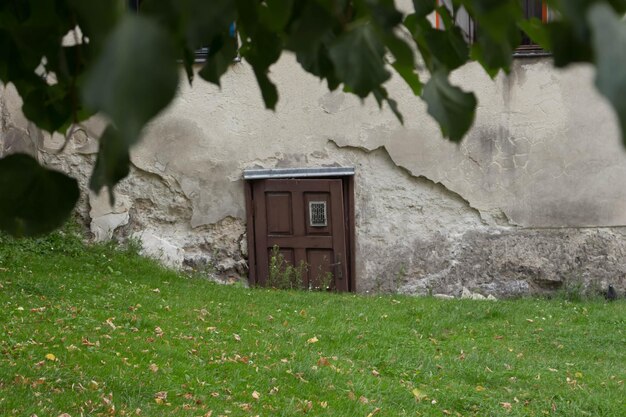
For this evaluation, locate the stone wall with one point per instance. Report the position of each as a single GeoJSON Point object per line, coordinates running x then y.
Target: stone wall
{"type": "Point", "coordinates": [531, 201]}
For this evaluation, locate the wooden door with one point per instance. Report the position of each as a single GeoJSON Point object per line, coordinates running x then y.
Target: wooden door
{"type": "Point", "coordinates": [304, 220]}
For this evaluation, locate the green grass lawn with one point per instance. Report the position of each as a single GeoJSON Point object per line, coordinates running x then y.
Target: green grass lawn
{"type": "Point", "coordinates": [102, 332]}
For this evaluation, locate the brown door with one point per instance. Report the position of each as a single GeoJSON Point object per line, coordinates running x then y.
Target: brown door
{"type": "Point", "coordinates": [302, 219]}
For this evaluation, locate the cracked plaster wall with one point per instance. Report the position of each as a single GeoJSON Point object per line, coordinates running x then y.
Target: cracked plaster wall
{"type": "Point", "coordinates": [529, 201]}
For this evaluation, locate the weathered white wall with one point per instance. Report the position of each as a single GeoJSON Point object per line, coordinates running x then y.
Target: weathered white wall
{"type": "Point", "coordinates": [532, 198]}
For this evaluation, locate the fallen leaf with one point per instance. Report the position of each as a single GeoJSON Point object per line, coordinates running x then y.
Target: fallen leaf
{"type": "Point", "coordinates": [64, 415]}
{"type": "Point", "coordinates": [158, 331]}
{"type": "Point", "coordinates": [480, 388]}
{"type": "Point", "coordinates": [363, 400]}
{"type": "Point", "coordinates": [419, 395]}
{"type": "Point", "coordinates": [256, 395]}
{"type": "Point", "coordinates": [153, 367]}
{"type": "Point", "coordinates": [323, 404]}
{"type": "Point", "coordinates": [160, 397]}
{"type": "Point", "coordinates": [373, 413]}
{"type": "Point", "coordinates": [375, 372]}
{"type": "Point", "coordinates": [86, 342]}
{"type": "Point", "coordinates": [323, 362]}
{"type": "Point", "coordinates": [110, 323]}
{"type": "Point", "coordinates": [314, 339]}
{"type": "Point", "coordinates": [506, 406]}
{"type": "Point", "coordinates": [237, 337]}
{"type": "Point", "coordinates": [156, 290]}
{"type": "Point", "coordinates": [51, 357]}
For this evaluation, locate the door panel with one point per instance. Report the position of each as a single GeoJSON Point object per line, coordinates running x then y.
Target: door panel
{"type": "Point", "coordinates": [304, 218]}
{"type": "Point", "coordinates": [321, 271]}
{"type": "Point", "coordinates": [279, 218]}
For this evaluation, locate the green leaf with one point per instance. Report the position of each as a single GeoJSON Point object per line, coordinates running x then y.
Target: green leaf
{"type": "Point", "coordinates": [609, 43]}
{"type": "Point", "coordinates": [358, 58]}
{"type": "Point", "coordinates": [492, 55]}
{"type": "Point", "coordinates": [566, 46]}
{"type": "Point", "coordinates": [222, 52]}
{"type": "Point", "coordinates": [536, 30]}
{"type": "Point", "coordinates": [113, 162]}
{"type": "Point", "coordinates": [311, 26]}
{"type": "Point", "coordinates": [202, 21]}
{"type": "Point", "coordinates": [404, 63]}
{"type": "Point", "coordinates": [97, 18]}
{"type": "Point", "coordinates": [441, 49]}
{"type": "Point", "coordinates": [450, 106]}
{"type": "Point", "coordinates": [268, 89]}
{"type": "Point", "coordinates": [318, 63]}
{"type": "Point", "coordinates": [381, 95]}
{"type": "Point", "coordinates": [498, 34]}
{"type": "Point", "coordinates": [135, 76]}
{"type": "Point", "coordinates": [35, 200]}
{"type": "Point", "coordinates": [274, 14]}
{"type": "Point", "coordinates": [424, 7]}
{"type": "Point", "coordinates": [384, 13]}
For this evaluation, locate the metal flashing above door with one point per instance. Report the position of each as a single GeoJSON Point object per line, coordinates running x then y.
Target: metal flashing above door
{"type": "Point", "coordinates": [268, 173]}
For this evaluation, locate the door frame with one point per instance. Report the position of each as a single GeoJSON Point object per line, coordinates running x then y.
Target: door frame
{"type": "Point", "coordinates": [345, 174]}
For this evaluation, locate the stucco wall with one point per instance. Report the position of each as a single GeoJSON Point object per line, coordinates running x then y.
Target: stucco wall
{"type": "Point", "coordinates": [532, 198]}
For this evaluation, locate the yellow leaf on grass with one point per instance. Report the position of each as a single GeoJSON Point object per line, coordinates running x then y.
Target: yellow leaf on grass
{"type": "Point", "coordinates": [256, 395]}
{"type": "Point", "coordinates": [51, 357]}
{"type": "Point", "coordinates": [373, 413]}
{"type": "Point", "coordinates": [314, 339]}
{"type": "Point", "coordinates": [419, 395]}
{"type": "Point", "coordinates": [480, 388]}
{"type": "Point", "coordinates": [160, 397]}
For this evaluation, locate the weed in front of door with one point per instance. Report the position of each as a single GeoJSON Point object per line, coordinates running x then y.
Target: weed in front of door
{"type": "Point", "coordinates": [282, 274]}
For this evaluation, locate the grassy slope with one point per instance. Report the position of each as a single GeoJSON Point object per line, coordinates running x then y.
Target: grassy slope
{"type": "Point", "coordinates": [240, 352]}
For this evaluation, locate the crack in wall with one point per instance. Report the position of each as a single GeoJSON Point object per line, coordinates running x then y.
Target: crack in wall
{"type": "Point", "coordinates": [442, 187]}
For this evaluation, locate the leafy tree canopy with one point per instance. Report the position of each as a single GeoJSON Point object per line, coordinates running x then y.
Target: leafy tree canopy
{"type": "Point", "coordinates": [125, 65]}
